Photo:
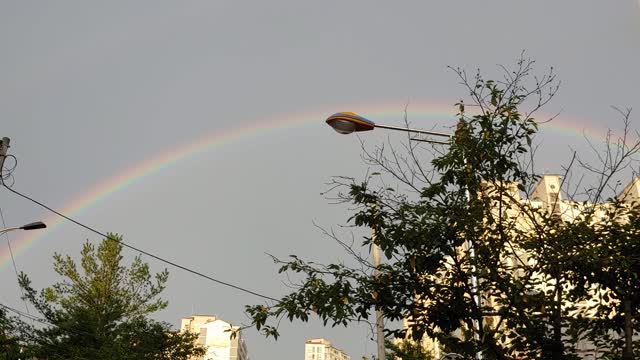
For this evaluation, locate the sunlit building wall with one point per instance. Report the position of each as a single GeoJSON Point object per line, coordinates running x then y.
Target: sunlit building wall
{"type": "Point", "coordinates": [216, 336]}
{"type": "Point", "coordinates": [321, 349]}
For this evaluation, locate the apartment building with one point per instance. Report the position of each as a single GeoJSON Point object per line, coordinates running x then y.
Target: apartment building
{"type": "Point", "coordinates": [216, 336]}
{"type": "Point", "coordinates": [322, 349]}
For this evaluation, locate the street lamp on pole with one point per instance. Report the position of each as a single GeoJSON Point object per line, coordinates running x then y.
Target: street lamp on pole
{"type": "Point", "coordinates": [30, 226]}
{"type": "Point", "coordinates": [348, 122]}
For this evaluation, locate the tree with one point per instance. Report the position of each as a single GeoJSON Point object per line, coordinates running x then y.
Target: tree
{"type": "Point", "coordinates": [100, 310]}
{"type": "Point", "coordinates": [9, 339]}
{"type": "Point", "coordinates": [468, 262]}
{"type": "Point", "coordinates": [609, 266]}
{"type": "Point", "coordinates": [147, 339]}
{"type": "Point", "coordinates": [407, 350]}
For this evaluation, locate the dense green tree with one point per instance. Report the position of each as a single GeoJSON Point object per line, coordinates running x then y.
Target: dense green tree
{"type": "Point", "coordinates": [100, 310]}
{"type": "Point", "coordinates": [467, 263]}
{"type": "Point", "coordinates": [147, 339]}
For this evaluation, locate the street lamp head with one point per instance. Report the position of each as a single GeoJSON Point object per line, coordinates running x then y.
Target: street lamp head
{"type": "Point", "coordinates": [451, 356]}
{"type": "Point", "coordinates": [34, 226]}
{"type": "Point", "coordinates": [348, 122]}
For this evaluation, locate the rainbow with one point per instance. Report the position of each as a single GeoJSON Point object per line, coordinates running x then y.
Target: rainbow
{"type": "Point", "coordinates": [388, 113]}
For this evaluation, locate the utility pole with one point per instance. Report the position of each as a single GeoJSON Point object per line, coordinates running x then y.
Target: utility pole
{"type": "Point", "coordinates": [376, 273]}
{"type": "Point", "coordinates": [379, 315]}
{"type": "Point", "coordinates": [4, 146]}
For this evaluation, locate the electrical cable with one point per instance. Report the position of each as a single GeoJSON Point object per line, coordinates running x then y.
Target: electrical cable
{"type": "Point", "coordinates": [6, 173]}
{"type": "Point", "coordinates": [4, 176]}
{"type": "Point", "coordinates": [8, 170]}
{"type": "Point", "coordinates": [169, 262]}
{"type": "Point", "coordinates": [28, 316]}
{"type": "Point", "coordinates": [44, 321]}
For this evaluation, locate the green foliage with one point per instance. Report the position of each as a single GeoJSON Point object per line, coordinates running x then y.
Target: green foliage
{"type": "Point", "coordinates": [9, 337]}
{"type": "Point", "coordinates": [100, 310]}
{"type": "Point", "coordinates": [148, 339]}
{"type": "Point", "coordinates": [407, 350]}
{"type": "Point", "coordinates": [609, 267]}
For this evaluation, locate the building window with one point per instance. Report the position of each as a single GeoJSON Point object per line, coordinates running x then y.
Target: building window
{"type": "Point", "coordinates": [202, 338]}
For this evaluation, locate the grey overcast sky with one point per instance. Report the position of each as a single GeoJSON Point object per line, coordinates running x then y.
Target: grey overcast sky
{"type": "Point", "coordinates": [90, 89]}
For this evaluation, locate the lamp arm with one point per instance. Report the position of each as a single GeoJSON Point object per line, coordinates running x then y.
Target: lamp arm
{"type": "Point", "coordinates": [417, 131]}
{"type": "Point", "coordinates": [8, 229]}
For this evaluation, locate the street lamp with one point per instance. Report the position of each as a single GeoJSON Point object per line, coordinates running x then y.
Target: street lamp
{"type": "Point", "coordinates": [348, 122]}
{"type": "Point", "coordinates": [451, 356]}
{"type": "Point", "coordinates": [30, 226]}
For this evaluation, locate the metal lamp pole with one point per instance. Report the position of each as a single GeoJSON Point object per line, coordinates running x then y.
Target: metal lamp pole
{"type": "Point", "coordinates": [349, 122]}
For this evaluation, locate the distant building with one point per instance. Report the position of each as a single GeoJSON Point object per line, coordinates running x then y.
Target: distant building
{"type": "Point", "coordinates": [321, 349]}
{"type": "Point", "coordinates": [215, 335]}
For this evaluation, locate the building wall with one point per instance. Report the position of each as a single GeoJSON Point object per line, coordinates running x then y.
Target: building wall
{"type": "Point", "coordinates": [215, 335]}
{"type": "Point", "coordinates": [321, 349]}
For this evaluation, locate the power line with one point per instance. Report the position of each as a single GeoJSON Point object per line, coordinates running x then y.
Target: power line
{"type": "Point", "coordinates": [44, 321]}
{"type": "Point", "coordinates": [169, 262]}
{"type": "Point", "coordinates": [28, 316]}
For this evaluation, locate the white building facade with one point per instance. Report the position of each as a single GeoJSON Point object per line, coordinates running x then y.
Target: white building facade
{"type": "Point", "coordinates": [321, 349]}
{"type": "Point", "coordinates": [222, 340]}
